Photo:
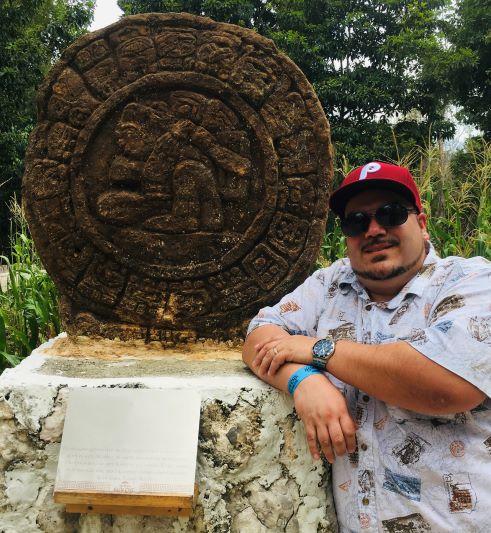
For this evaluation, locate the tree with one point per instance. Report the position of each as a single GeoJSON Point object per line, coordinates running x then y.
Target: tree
{"type": "Point", "coordinates": [33, 33]}
{"type": "Point", "coordinates": [470, 74]}
{"type": "Point", "coordinates": [371, 63]}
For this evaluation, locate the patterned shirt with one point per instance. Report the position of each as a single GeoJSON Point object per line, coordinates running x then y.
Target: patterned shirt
{"type": "Point", "coordinates": [410, 472]}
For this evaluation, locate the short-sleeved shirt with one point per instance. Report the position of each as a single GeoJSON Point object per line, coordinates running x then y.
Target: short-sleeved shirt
{"type": "Point", "coordinates": [410, 472]}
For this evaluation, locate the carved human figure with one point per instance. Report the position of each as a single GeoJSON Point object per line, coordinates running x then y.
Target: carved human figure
{"type": "Point", "coordinates": [166, 158]}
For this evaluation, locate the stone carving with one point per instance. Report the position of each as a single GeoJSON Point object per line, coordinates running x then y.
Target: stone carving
{"type": "Point", "coordinates": [177, 179]}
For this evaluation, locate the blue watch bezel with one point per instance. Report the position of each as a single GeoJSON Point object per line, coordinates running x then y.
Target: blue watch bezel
{"type": "Point", "coordinates": [322, 351]}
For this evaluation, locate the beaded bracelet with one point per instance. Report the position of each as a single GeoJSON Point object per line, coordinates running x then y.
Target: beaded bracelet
{"type": "Point", "coordinates": [299, 376]}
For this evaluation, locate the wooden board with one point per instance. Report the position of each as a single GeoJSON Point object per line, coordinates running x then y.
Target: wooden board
{"type": "Point", "coordinates": [130, 504]}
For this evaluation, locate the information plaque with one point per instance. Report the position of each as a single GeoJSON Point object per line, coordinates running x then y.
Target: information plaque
{"type": "Point", "coordinates": [129, 451]}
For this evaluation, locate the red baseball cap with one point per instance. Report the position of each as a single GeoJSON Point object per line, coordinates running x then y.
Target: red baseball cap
{"type": "Point", "coordinates": [371, 176]}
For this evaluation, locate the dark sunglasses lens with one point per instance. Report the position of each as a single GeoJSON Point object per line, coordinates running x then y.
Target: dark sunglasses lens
{"type": "Point", "coordinates": [354, 224]}
{"type": "Point", "coordinates": [391, 215]}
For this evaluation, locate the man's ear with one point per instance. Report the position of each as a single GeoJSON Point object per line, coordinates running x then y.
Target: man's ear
{"type": "Point", "coordinates": [422, 225]}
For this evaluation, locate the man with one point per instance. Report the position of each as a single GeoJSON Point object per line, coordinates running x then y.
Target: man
{"type": "Point", "coordinates": [406, 338]}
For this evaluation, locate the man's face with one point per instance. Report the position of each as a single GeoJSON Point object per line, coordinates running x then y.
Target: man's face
{"type": "Point", "coordinates": [134, 140]}
{"type": "Point", "coordinates": [386, 253]}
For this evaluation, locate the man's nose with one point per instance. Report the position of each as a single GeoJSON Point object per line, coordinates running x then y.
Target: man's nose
{"type": "Point", "coordinates": [375, 229]}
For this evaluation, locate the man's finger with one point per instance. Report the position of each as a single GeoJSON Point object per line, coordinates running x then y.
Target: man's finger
{"type": "Point", "coordinates": [349, 430]}
{"type": "Point", "coordinates": [261, 344]}
{"type": "Point", "coordinates": [256, 362]}
{"type": "Point", "coordinates": [337, 438]}
{"type": "Point", "coordinates": [266, 362]}
{"type": "Point", "coordinates": [264, 351]}
{"type": "Point", "coordinates": [325, 444]}
{"type": "Point", "coordinates": [267, 346]}
{"type": "Point", "coordinates": [274, 366]}
{"type": "Point", "coordinates": [312, 441]}
{"type": "Point", "coordinates": [259, 359]}
{"type": "Point", "coordinates": [277, 361]}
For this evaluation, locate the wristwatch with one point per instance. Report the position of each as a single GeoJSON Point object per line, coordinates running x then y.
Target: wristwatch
{"type": "Point", "coordinates": [322, 351]}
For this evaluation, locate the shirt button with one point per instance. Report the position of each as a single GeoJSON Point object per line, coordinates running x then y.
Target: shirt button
{"type": "Point", "coordinates": [368, 307]}
{"type": "Point", "coordinates": [364, 447]}
{"type": "Point", "coordinates": [366, 398]}
{"type": "Point", "coordinates": [365, 501]}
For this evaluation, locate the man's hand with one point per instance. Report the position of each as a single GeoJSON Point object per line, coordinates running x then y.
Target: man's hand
{"type": "Point", "coordinates": [323, 411]}
{"type": "Point", "coordinates": [274, 351]}
{"type": "Point", "coordinates": [319, 404]}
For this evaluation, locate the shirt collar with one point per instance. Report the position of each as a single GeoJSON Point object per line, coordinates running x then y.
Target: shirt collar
{"type": "Point", "coordinates": [418, 284]}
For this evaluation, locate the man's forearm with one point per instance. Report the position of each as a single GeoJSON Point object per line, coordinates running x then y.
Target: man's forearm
{"type": "Point", "coordinates": [395, 373]}
{"type": "Point", "coordinates": [280, 379]}
{"type": "Point", "coordinates": [399, 375]}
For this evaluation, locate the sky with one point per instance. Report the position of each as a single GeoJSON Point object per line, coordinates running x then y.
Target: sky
{"type": "Point", "coordinates": [106, 12]}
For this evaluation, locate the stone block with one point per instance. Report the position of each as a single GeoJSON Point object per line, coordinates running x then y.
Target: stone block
{"type": "Point", "coordinates": [254, 469]}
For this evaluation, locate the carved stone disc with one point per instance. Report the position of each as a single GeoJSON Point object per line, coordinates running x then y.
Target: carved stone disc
{"type": "Point", "coordinates": [177, 180]}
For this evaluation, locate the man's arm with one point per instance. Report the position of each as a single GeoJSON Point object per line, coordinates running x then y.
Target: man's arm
{"type": "Point", "coordinates": [279, 379]}
{"type": "Point", "coordinates": [321, 407]}
{"type": "Point", "coordinates": [398, 374]}
{"type": "Point", "coordinates": [395, 373]}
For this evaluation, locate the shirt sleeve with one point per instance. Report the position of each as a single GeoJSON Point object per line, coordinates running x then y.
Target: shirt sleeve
{"type": "Point", "coordinates": [298, 312]}
{"type": "Point", "coordinates": [458, 335]}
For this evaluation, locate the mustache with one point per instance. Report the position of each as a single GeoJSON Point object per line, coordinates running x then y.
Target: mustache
{"type": "Point", "coordinates": [379, 240]}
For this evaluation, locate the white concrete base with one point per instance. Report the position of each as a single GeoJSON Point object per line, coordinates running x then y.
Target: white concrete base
{"type": "Point", "coordinates": [255, 472]}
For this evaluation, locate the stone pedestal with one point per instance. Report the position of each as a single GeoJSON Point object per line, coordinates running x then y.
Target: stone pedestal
{"type": "Point", "coordinates": [254, 469]}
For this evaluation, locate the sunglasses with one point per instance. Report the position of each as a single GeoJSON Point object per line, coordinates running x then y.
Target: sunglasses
{"type": "Point", "coordinates": [388, 216]}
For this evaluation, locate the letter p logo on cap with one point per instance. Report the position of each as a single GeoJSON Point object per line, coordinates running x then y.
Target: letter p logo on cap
{"type": "Point", "coordinates": [370, 167]}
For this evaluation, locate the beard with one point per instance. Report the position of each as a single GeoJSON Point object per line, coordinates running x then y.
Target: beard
{"type": "Point", "coordinates": [380, 276]}
{"type": "Point", "coordinates": [383, 275]}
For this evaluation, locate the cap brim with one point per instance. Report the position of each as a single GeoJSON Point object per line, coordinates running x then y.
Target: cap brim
{"type": "Point", "coordinates": [340, 197]}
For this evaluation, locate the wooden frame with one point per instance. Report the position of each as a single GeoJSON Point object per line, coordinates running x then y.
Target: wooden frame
{"type": "Point", "coordinates": [126, 504]}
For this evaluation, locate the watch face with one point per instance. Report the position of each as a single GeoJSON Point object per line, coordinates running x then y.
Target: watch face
{"type": "Point", "coordinates": [323, 348]}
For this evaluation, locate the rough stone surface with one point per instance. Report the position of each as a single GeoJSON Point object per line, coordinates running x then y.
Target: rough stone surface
{"type": "Point", "coordinates": [177, 180]}
{"type": "Point", "coordinates": [255, 473]}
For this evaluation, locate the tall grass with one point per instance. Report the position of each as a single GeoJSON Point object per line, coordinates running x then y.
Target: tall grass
{"type": "Point", "coordinates": [456, 196]}
{"type": "Point", "coordinates": [28, 307]}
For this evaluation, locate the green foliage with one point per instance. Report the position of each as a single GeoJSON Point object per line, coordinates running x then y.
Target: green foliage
{"type": "Point", "coordinates": [333, 244]}
{"type": "Point", "coordinates": [28, 308]}
{"type": "Point", "coordinates": [458, 202]}
{"type": "Point", "coordinates": [469, 74]}
{"type": "Point", "coordinates": [247, 13]}
{"type": "Point", "coordinates": [456, 195]}
{"type": "Point", "coordinates": [32, 34]}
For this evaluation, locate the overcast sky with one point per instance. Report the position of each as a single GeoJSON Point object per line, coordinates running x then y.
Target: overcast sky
{"type": "Point", "coordinates": [106, 12]}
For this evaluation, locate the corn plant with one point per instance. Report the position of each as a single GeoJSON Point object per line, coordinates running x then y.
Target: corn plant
{"type": "Point", "coordinates": [28, 307]}
{"type": "Point", "coordinates": [457, 201]}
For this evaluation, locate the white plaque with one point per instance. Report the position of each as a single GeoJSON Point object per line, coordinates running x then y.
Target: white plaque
{"type": "Point", "coordinates": [129, 441]}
